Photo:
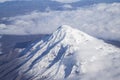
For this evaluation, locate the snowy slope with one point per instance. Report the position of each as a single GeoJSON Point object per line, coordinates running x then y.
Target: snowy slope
{"type": "Point", "coordinates": [67, 54]}
{"type": "Point", "coordinates": [0, 46]}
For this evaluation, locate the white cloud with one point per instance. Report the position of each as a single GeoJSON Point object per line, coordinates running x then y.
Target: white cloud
{"type": "Point", "coordinates": [100, 20]}
{"type": "Point", "coordinates": [66, 1]}
{"type": "Point", "coordinates": [4, 0]}
{"type": "Point", "coordinates": [67, 6]}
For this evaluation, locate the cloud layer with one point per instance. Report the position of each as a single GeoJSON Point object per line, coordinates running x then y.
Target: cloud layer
{"type": "Point", "coordinates": [66, 1]}
{"type": "Point", "coordinates": [1, 1]}
{"type": "Point", "coordinates": [100, 20]}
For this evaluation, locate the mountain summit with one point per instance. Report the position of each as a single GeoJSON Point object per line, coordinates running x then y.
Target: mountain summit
{"type": "Point", "coordinates": [67, 54]}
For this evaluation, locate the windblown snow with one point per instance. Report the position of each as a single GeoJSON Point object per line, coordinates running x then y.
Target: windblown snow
{"type": "Point", "coordinates": [67, 54]}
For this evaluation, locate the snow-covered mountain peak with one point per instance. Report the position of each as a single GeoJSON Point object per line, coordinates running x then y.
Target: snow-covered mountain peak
{"type": "Point", "coordinates": [68, 34]}
{"type": "Point", "coordinates": [67, 54]}
{"type": "Point", "coordinates": [66, 29]}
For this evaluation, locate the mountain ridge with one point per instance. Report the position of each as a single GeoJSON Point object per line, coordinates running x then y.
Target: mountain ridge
{"type": "Point", "coordinates": [67, 54]}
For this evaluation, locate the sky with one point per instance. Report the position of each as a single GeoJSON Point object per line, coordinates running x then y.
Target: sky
{"type": "Point", "coordinates": [100, 20]}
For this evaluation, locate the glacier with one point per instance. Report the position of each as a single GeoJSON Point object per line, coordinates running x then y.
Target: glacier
{"type": "Point", "coordinates": [66, 54]}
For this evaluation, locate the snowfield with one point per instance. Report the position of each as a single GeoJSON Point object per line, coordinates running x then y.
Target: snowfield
{"type": "Point", "coordinates": [67, 54]}
{"type": "Point", "coordinates": [0, 46]}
